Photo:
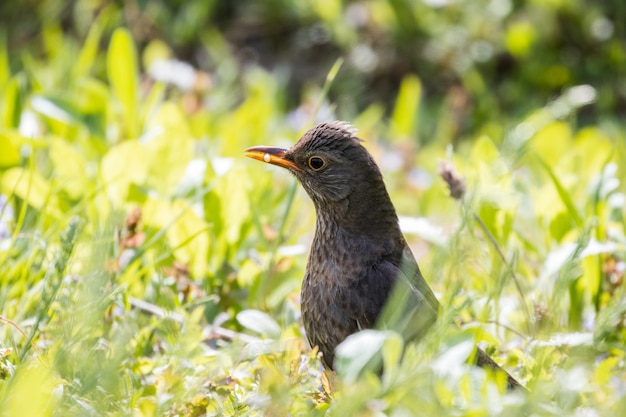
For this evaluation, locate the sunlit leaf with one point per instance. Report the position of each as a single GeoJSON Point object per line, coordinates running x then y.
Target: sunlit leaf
{"type": "Point", "coordinates": [484, 150]}
{"type": "Point", "coordinates": [404, 118]}
{"type": "Point", "coordinates": [10, 154]}
{"type": "Point", "coordinates": [11, 104]}
{"type": "Point", "coordinates": [558, 257]}
{"type": "Point", "coordinates": [453, 359]}
{"type": "Point", "coordinates": [552, 142]}
{"type": "Point", "coordinates": [53, 39]}
{"type": "Point", "coordinates": [122, 166]}
{"type": "Point", "coordinates": [186, 233]}
{"type": "Point", "coordinates": [234, 198]}
{"type": "Point", "coordinates": [70, 167]}
{"type": "Point", "coordinates": [603, 372]}
{"type": "Point", "coordinates": [168, 145]}
{"type": "Point", "coordinates": [32, 392]}
{"type": "Point", "coordinates": [91, 96]}
{"type": "Point", "coordinates": [90, 50]}
{"type": "Point", "coordinates": [563, 194]}
{"type": "Point", "coordinates": [259, 322]}
{"type": "Point", "coordinates": [360, 352]}
{"type": "Point", "coordinates": [122, 69]}
{"type": "Point", "coordinates": [5, 70]}
{"type": "Point", "coordinates": [27, 184]}
{"type": "Point", "coordinates": [392, 352]}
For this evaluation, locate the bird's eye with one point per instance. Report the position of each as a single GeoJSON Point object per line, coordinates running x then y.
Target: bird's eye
{"type": "Point", "coordinates": [316, 163]}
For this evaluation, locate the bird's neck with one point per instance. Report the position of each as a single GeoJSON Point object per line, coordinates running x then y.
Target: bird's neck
{"type": "Point", "coordinates": [367, 217]}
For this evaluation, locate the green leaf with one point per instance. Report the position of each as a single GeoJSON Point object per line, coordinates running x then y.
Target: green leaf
{"type": "Point", "coordinates": [122, 166]}
{"type": "Point", "coordinates": [11, 104]}
{"type": "Point", "coordinates": [32, 391]}
{"type": "Point", "coordinates": [484, 150]}
{"type": "Point", "coordinates": [233, 193]}
{"type": "Point", "coordinates": [5, 69]}
{"type": "Point", "coordinates": [259, 322]}
{"type": "Point", "coordinates": [153, 103]}
{"type": "Point", "coordinates": [186, 233]}
{"type": "Point", "coordinates": [405, 114]}
{"type": "Point", "coordinates": [454, 357]}
{"type": "Point", "coordinates": [552, 142]}
{"type": "Point", "coordinates": [91, 96]}
{"type": "Point", "coordinates": [90, 50]}
{"type": "Point", "coordinates": [53, 39]}
{"type": "Point", "coordinates": [171, 148]}
{"type": "Point", "coordinates": [10, 154]}
{"type": "Point", "coordinates": [563, 193]}
{"type": "Point", "coordinates": [70, 167]}
{"type": "Point", "coordinates": [361, 352]}
{"type": "Point", "coordinates": [392, 352]}
{"type": "Point", "coordinates": [123, 72]}
{"type": "Point", "coordinates": [28, 185]}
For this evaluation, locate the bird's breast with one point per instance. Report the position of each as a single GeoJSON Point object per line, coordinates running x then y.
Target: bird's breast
{"type": "Point", "coordinates": [341, 292]}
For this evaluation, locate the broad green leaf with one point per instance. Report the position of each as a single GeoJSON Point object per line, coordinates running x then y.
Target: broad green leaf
{"type": "Point", "coordinates": [70, 168]}
{"type": "Point", "coordinates": [360, 352]}
{"type": "Point", "coordinates": [248, 272]}
{"type": "Point", "coordinates": [91, 96]}
{"type": "Point", "coordinates": [233, 193]}
{"type": "Point", "coordinates": [10, 154]}
{"type": "Point", "coordinates": [11, 104]}
{"type": "Point", "coordinates": [186, 233]}
{"type": "Point", "coordinates": [552, 142]}
{"type": "Point", "coordinates": [32, 391]}
{"type": "Point", "coordinates": [484, 151]}
{"type": "Point", "coordinates": [28, 185]}
{"type": "Point", "coordinates": [563, 193]}
{"type": "Point", "coordinates": [259, 322]}
{"type": "Point", "coordinates": [392, 352]}
{"type": "Point", "coordinates": [123, 165]}
{"type": "Point", "coordinates": [591, 149]}
{"type": "Point", "coordinates": [454, 357]}
{"type": "Point", "coordinates": [560, 225]}
{"type": "Point", "coordinates": [171, 147]}
{"type": "Point", "coordinates": [123, 75]}
{"type": "Point", "coordinates": [603, 371]}
{"type": "Point", "coordinates": [591, 280]}
{"type": "Point", "coordinates": [404, 120]}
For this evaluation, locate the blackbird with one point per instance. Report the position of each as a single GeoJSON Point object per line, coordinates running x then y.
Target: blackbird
{"type": "Point", "coordinates": [359, 258]}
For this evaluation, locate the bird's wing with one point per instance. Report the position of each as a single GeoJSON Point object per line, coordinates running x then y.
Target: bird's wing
{"type": "Point", "coordinates": [411, 307]}
{"type": "Point", "coordinates": [412, 273]}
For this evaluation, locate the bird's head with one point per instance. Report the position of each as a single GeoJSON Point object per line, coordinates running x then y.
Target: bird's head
{"type": "Point", "coordinates": [337, 172]}
{"type": "Point", "coordinates": [329, 161]}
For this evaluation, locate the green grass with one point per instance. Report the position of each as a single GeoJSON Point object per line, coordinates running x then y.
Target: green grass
{"type": "Point", "coordinates": [190, 305]}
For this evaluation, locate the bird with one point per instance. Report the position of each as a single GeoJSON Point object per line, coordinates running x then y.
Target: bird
{"type": "Point", "coordinates": [359, 258]}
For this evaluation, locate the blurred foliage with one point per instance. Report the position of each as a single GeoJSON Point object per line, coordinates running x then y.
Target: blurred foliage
{"type": "Point", "coordinates": [146, 269]}
{"type": "Point", "coordinates": [481, 58]}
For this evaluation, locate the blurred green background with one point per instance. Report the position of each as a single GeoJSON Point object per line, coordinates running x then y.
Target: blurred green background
{"type": "Point", "coordinates": [486, 61]}
{"type": "Point", "coordinates": [147, 269]}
